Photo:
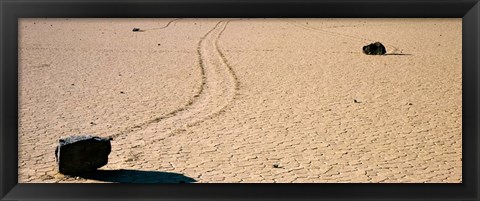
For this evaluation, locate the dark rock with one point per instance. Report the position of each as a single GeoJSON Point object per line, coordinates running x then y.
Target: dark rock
{"type": "Point", "coordinates": [82, 154]}
{"type": "Point", "coordinates": [135, 29]}
{"type": "Point", "coordinates": [374, 49]}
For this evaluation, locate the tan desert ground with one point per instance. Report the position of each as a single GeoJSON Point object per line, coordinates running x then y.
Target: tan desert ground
{"type": "Point", "coordinates": [244, 100]}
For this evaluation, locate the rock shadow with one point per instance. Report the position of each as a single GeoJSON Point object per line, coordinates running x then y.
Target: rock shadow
{"type": "Point", "coordinates": [137, 176]}
{"type": "Point", "coordinates": [397, 54]}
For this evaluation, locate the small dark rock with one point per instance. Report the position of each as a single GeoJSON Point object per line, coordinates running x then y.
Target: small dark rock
{"type": "Point", "coordinates": [355, 101]}
{"type": "Point", "coordinates": [135, 29]}
{"type": "Point", "coordinates": [410, 104]}
{"type": "Point", "coordinates": [76, 155]}
{"type": "Point", "coordinates": [122, 92]}
{"type": "Point", "coordinates": [276, 166]}
{"type": "Point", "coordinates": [376, 48]}
{"type": "Point", "coordinates": [73, 84]}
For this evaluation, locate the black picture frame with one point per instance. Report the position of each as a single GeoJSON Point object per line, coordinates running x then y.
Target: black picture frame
{"type": "Point", "coordinates": [11, 10]}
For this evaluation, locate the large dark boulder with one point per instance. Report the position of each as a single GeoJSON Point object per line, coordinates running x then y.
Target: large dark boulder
{"type": "Point", "coordinates": [374, 49]}
{"type": "Point", "coordinates": [82, 154]}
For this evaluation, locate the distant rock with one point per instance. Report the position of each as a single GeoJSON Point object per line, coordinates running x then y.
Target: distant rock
{"type": "Point", "coordinates": [376, 48]}
{"type": "Point", "coordinates": [136, 29]}
{"type": "Point", "coordinates": [82, 154]}
{"type": "Point", "coordinates": [276, 166]}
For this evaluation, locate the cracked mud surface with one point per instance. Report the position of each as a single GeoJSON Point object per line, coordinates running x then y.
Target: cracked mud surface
{"type": "Point", "coordinates": [244, 100]}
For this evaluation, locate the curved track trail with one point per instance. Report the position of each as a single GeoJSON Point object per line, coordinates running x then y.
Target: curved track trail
{"type": "Point", "coordinates": [356, 38]}
{"type": "Point", "coordinates": [165, 26]}
{"type": "Point", "coordinates": [217, 91]}
{"type": "Point", "coordinates": [219, 81]}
